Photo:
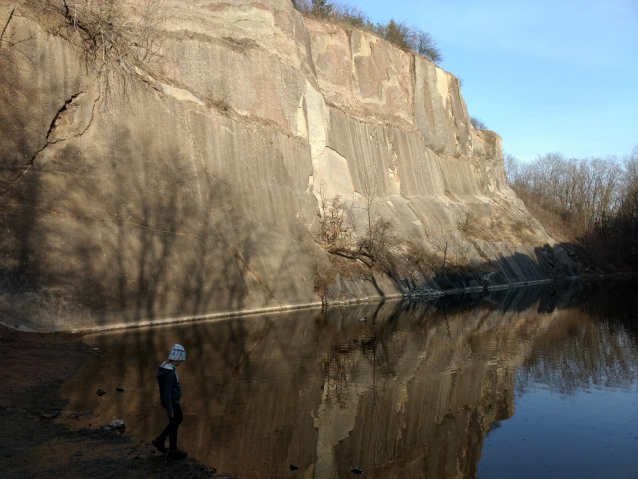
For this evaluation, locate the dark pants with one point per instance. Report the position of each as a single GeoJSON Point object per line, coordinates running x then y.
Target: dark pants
{"type": "Point", "coordinates": [170, 431]}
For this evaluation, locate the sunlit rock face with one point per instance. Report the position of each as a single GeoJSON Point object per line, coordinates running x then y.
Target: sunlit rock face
{"type": "Point", "coordinates": [194, 187]}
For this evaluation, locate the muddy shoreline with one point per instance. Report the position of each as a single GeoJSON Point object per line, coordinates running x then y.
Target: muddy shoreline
{"type": "Point", "coordinates": [37, 445]}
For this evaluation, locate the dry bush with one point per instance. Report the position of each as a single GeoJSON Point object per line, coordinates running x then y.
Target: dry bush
{"type": "Point", "coordinates": [220, 97]}
{"type": "Point", "coordinates": [114, 37]}
{"type": "Point", "coordinates": [341, 266]}
{"type": "Point", "coordinates": [474, 227]}
{"type": "Point", "coordinates": [456, 261]}
{"type": "Point", "coordinates": [334, 228]}
{"type": "Point", "coordinates": [521, 230]}
{"type": "Point", "coordinates": [496, 223]}
{"type": "Point", "coordinates": [425, 260]}
{"type": "Point", "coordinates": [377, 244]}
{"type": "Point", "coordinates": [471, 227]}
{"type": "Point", "coordinates": [478, 124]}
{"type": "Point", "coordinates": [321, 281]}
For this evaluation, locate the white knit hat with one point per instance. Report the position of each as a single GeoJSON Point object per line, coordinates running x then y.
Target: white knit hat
{"type": "Point", "coordinates": [178, 353]}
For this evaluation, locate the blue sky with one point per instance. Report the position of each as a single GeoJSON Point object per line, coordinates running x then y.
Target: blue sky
{"type": "Point", "coordinates": [548, 76]}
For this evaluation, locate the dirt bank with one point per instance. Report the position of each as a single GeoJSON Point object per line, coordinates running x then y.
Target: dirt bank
{"type": "Point", "coordinates": [34, 366]}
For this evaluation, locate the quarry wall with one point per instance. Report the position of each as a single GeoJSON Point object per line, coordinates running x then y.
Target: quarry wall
{"type": "Point", "coordinates": [193, 184]}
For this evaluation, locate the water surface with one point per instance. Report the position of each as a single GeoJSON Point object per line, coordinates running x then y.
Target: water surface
{"type": "Point", "coordinates": [529, 382]}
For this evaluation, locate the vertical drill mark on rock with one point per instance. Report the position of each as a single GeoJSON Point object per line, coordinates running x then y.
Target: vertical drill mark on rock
{"type": "Point", "coordinates": [413, 81]}
{"type": "Point", "coordinates": [198, 150]}
{"type": "Point", "coordinates": [309, 289]}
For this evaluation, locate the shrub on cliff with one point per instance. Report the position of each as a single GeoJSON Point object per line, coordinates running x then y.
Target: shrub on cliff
{"type": "Point", "coordinates": [423, 43]}
{"type": "Point", "coordinates": [322, 8]}
{"type": "Point", "coordinates": [410, 38]}
{"type": "Point", "coordinates": [334, 229]}
{"type": "Point", "coordinates": [397, 33]}
{"type": "Point", "coordinates": [404, 37]}
{"type": "Point", "coordinates": [478, 124]}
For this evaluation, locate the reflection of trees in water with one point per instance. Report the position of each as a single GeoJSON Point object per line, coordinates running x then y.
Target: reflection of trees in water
{"type": "Point", "coordinates": [580, 351]}
{"type": "Point", "coordinates": [341, 364]}
{"type": "Point", "coordinates": [338, 365]}
{"type": "Point", "coordinates": [351, 356]}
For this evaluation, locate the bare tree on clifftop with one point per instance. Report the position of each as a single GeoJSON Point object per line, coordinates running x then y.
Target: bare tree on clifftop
{"type": "Point", "coordinates": [398, 33]}
{"type": "Point", "coordinates": [478, 124]}
{"type": "Point", "coordinates": [423, 43]}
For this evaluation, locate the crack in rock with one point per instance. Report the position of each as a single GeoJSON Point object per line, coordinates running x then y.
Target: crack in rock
{"type": "Point", "coordinates": [240, 259]}
{"type": "Point", "coordinates": [48, 141]}
{"type": "Point", "coordinates": [4, 29]}
{"type": "Point", "coordinates": [58, 116]}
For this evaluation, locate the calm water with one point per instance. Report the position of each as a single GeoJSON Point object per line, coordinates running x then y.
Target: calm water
{"type": "Point", "coordinates": [531, 382]}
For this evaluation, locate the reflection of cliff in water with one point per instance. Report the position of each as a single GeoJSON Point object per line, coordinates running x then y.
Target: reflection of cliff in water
{"type": "Point", "coordinates": [409, 392]}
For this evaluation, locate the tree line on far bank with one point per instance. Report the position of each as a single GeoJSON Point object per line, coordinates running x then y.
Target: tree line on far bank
{"type": "Point", "coordinates": [405, 37]}
{"type": "Point", "coordinates": [591, 202]}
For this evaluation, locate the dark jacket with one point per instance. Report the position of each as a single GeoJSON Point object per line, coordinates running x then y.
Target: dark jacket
{"type": "Point", "coordinates": [169, 387]}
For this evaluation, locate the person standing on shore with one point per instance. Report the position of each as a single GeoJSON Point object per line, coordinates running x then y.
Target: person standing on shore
{"type": "Point", "coordinates": [170, 391]}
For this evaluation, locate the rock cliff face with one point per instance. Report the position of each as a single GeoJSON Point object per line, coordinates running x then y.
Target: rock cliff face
{"type": "Point", "coordinates": [193, 183]}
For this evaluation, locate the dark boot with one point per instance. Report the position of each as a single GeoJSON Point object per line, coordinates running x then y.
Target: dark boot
{"type": "Point", "coordinates": [177, 454]}
{"type": "Point", "coordinates": [159, 444]}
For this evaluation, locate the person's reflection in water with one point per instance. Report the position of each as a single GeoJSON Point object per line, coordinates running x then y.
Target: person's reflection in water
{"type": "Point", "coordinates": [170, 394]}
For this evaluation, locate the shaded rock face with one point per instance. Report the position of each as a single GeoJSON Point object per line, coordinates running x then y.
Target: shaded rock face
{"type": "Point", "coordinates": [195, 186]}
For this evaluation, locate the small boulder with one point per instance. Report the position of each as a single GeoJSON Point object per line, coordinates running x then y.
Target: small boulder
{"type": "Point", "coordinates": [357, 470]}
{"type": "Point", "coordinates": [120, 390]}
{"type": "Point", "coordinates": [293, 467]}
{"type": "Point", "coordinates": [100, 392]}
{"type": "Point", "coordinates": [116, 425]}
